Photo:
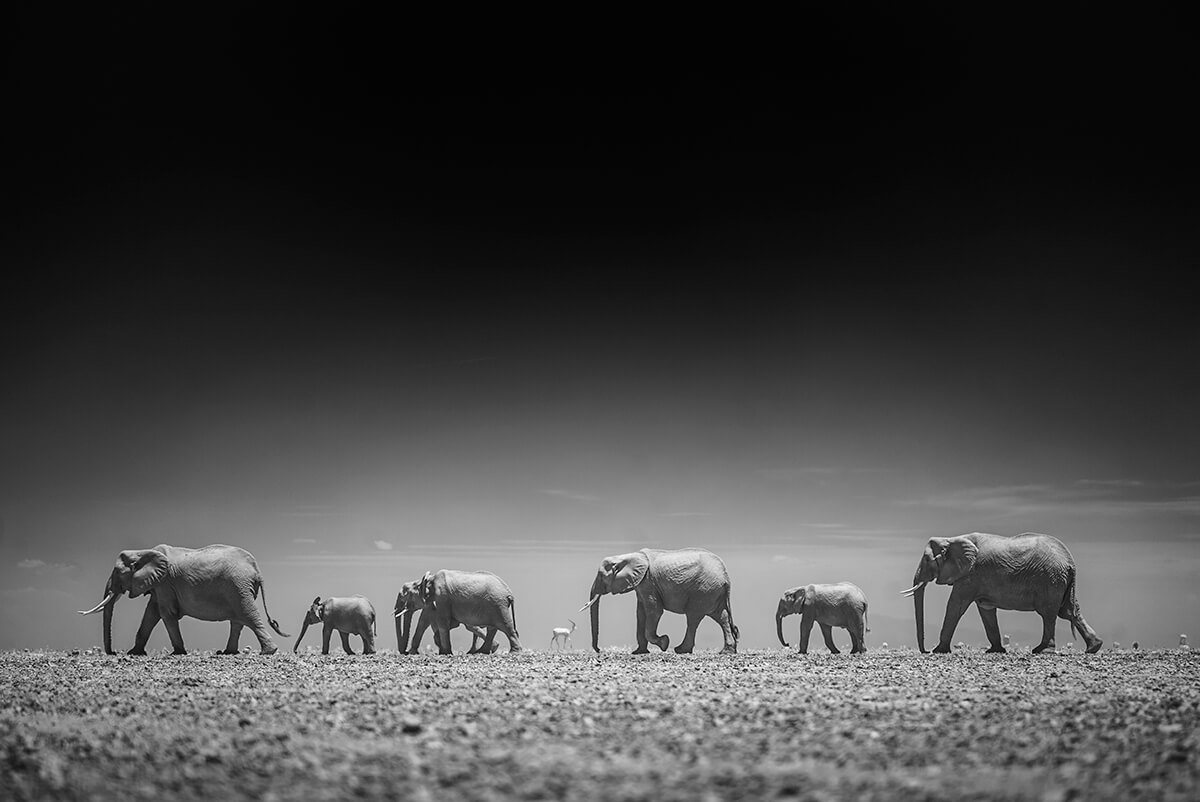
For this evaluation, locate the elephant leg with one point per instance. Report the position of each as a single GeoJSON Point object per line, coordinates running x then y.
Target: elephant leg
{"type": "Point", "coordinates": [249, 616]}
{"type": "Point", "coordinates": [422, 624]}
{"type": "Point", "coordinates": [723, 618]}
{"type": "Point", "coordinates": [955, 607]}
{"type": "Point", "coordinates": [235, 635]}
{"type": "Point", "coordinates": [1048, 620]}
{"type": "Point", "coordinates": [443, 631]}
{"type": "Point", "coordinates": [172, 624]}
{"type": "Point", "coordinates": [150, 619]}
{"type": "Point", "coordinates": [368, 639]}
{"type": "Point", "coordinates": [827, 634]}
{"type": "Point", "coordinates": [643, 646]}
{"type": "Point", "coordinates": [1090, 637]}
{"type": "Point", "coordinates": [654, 612]}
{"type": "Point", "coordinates": [346, 642]}
{"type": "Point", "coordinates": [858, 643]}
{"type": "Point", "coordinates": [806, 625]}
{"type": "Point", "coordinates": [689, 638]}
{"type": "Point", "coordinates": [992, 627]}
{"type": "Point", "coordinates": [326, 634]}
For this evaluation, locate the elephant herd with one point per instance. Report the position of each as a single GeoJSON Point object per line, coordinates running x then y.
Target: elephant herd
{"type": "Point", "coordinates": [221, 583]}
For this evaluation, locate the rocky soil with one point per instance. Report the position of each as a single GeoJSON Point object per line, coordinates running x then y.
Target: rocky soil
{"type": "Point", "coordinates": [885, 725]}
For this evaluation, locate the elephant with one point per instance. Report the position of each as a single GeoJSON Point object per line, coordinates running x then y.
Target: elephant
{"type": "Point", "coordinates": [214, 583]}
{"type": "Point", "coordinates": [693, 582]}
{"type": "Point", "coordinates": [349, 615]}
{"type": "Point", "coordinates": [838, 605]}
{"type": "Point", "coordinates": [1026, 572]}
{"type": "Point", "coordinates": [470, 598]}
{"type": "Point", "coordinates": [408, 601]}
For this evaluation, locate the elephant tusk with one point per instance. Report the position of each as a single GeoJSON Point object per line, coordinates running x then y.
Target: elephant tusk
{"type": "Point", "coordinates": [399, 613]}
{"type": "Point", "coordinates": [913, 589]}
{"type": "Point", "coordinates": [589, 604]}
{"type": "Point", "coordinates": [99, 606]}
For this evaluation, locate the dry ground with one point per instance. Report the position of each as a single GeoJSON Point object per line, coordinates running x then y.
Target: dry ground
{"type": "Point", "coordinates": [885, 725]}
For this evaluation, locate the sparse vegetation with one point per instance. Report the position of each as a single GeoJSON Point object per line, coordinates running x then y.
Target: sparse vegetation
{"type": "Point", "coordinates": [884, 725]}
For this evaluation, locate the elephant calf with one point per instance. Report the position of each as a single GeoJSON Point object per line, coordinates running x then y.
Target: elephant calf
{"type": "Point", "coordinates": [838, 605]}
{"type": "Point", "coordinates": [351, 615]}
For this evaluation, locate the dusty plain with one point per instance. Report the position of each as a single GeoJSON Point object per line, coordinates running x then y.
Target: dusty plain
{"type": "Point", "coordinates": [578, 726]}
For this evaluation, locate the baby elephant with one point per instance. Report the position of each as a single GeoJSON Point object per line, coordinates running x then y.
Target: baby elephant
{"type": "Point", "coordinates": [840, 605]}
{"type": "Point", "coordinates": [349, 615]}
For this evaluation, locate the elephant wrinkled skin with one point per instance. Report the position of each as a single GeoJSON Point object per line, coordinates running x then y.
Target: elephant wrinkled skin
{"type": "Point", "coordinates": [349, 615]}
{"type": "Point", "coordinates": [214, 583]}
{"type": "Point", "coordinates": [693, 582]}
{"type": "Point", "coordinates": [842, 604]}
{"type": "Point", "coordinates": [1026, 572]}
{"type": "Point", "coordinates": [408, 601]}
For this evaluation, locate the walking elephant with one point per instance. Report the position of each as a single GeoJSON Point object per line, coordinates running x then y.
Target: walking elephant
{"type": "Point", "coordinates": [838, 605]}
{"type": "Point", "coordinates": [408, 601]}
{"type": "Point", "coordinates": [470, 598]}
{"type": "Point", "coordinates": [693, 582]}
{"type": "Point", "coordinates": [349, 615]}
{"type": "Point", "coordinates": [214, 583]}
{"type": "Point", "coordinates": [1026, 572]}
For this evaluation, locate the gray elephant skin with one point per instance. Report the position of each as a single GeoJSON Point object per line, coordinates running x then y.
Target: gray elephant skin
{"type": "Point", "coordinates": [1027, 572]}
{"type": "Point", "coordinates": [692, 582]}
{"type": "Point", "coordinates": [408, 602]}
{"type": "Point", "coordinates": [214, 583]}
{"type": "Point", "coordinates": [470, 598]}
{"type": "Point", "coordinates": [841, 604]}
{"type": "Point", "coordinates": [349, 615]}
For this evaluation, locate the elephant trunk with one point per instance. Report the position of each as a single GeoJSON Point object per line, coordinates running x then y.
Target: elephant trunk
{"type": "Point", "coordinates": [780, 613]}
{"type": "Point", "coordinates": [110, 597]}
{"type": "Point", "coordinates": [403, 630]}
{"type": "Point", "coordinates": [595, 594]}
{"type": "Point", "coordinates": [919, 609]}
{"type": "Point", "coordinates": [300, 637]}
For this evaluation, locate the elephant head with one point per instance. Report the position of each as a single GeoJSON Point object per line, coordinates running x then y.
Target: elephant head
{"type": "Point", "coordinates": [408, 601]}
{"type": "Point", "coordinates": [618, 574]}
{"type": "Point", "coordinates": [135, 572]}
{"type": "Point", "coordinates": [946, 560]}
{"type": "Point", "coordinates": [315, 614]}
{"type": "Point", "coordinates": [790, 603]}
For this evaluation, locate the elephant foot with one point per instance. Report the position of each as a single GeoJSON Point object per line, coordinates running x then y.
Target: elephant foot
{"type": "Point", "coordinates": [641, 650]}
{"type": "Point", "coordinates": [233, 651]}
{"type": "Point", "coordinates": [663, 642]}
{"type": "Point", "coordinates": [179, 651]}
{"type": "Point", "coordinates": [835, 651]}
{"type": "Point", "coordinates": [1095, 647]}
{"type": "Point", "coordinates": [997, 650]}
{"type": "Point", "coordinates": [939, 649]}
{"type": "Point", "coordinates": [137, 651]}
{"type": "Point", "coordinates": [681, 649]}
{"type": "Point", "coordinates": [729, 650]}
{"type": "Point", "coordinates": [1041, 647]}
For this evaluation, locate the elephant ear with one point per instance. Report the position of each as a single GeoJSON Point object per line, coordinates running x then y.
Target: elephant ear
{"type": "Point", "coordinates": [960, 553]}
{"type": "Point", "coordinates": [426, 586]}
{"type": "Point", "coordinates": [149, 569]}
{"type": "Point", "coordinates": [629, 570]}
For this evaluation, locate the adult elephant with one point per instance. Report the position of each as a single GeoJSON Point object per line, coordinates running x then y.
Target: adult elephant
{"type": "Point", "coordinates": [408, 602]}
{"type": "Point", "coordinates": [693, 582]}
{"type": "Point", "coordinates": [349, 615]}
{"type": "Point", "coordinates": [841, 604]}
{"type": "Point", "coordinates": [470, 598]}
{"type": "Point", "coordinates": [215, 583]}
{"type": "Point", "coordinates": [1026, 572]}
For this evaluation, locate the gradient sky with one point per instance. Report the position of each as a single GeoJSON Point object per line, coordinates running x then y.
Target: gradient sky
{"type": "Point", "coordinates": [368, 313]}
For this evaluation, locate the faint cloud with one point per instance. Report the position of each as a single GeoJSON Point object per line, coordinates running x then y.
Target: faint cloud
{"type": "Point", "coordinates": [304, 540]}
{"type": "Point", "coordinates": [822, 526]}
{"type": "Point", "coordinates": [686, 515]}
{"type": "Point", "coordinates": [43, 567]}
{"type": "Point", "coordinates": [313, 511]}
{"type": "Point", "coordinates": [383, 545]}
{"type": "Point", "coordinates": [568, 494]}
{"type": "Point", "coordinates": [820, 471]}
{"type": "Point", "coordinates": [1092, 496]}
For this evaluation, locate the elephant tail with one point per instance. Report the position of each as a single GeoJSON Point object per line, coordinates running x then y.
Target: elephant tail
{"type": "Point", "coordinates": [512, 604]}
{"type": "Point", "coordinates": [1070, 606]}
{"type": "Point", "coordinates": [866, 623]}
{"type": "Point", "coordinates": [729, 609]}
{"type": "Point", "coordinates": [274, 624]}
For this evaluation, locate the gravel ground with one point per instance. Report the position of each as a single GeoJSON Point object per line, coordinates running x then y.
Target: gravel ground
{"type": "Point", "coordinates": [1117, 725]}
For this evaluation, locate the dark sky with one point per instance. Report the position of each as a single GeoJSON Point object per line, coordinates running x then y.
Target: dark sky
{"type": "Point", "coordinates": [358, 292]}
